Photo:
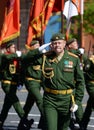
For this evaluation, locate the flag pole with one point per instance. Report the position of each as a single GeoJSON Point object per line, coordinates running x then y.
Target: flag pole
{"type": "Point", "coordinates": [81, 24]}
{"type": "Point", "coordinates": [62, 22]}
{"type": "Point", "coordinates": [42, 22]}
{"type": "Point", "coordinates": [68, 22]}
{"type": "Point", "coordinates": [62, 18]}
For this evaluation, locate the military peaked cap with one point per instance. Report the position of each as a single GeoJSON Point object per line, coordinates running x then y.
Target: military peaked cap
{"type": "Point", "coordinates": [58, 36]}
{"type": "Point", "coordinates": [34, 42]}
{"type": "Point", "coordinates": [70, 41]}
{"type": "Point", "coordinates": [9, 43]}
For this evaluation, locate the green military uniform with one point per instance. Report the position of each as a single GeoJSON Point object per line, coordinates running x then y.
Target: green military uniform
{"type": "Point", "coordinates": [33, 82]}
{"type": "Point", "coordinates": [9, 85]}
{"type": "Point", "coordinates": [89, 78]}
{"type": "Point", "coordinates": [11, 78]}
{"type": "Point", "coordinates": [1, 67]}
{"type": "Point", "coordinates": [82, 57]}
{"type": "Point", "coordinates": [32, 77]}
{"type": "Point", "coordinates": [60, 73]}
{"type": "Point", "coordinates": [79, 112]}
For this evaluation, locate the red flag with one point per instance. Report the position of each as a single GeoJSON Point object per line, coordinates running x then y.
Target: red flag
{"type": "Point", "coordinates": [34, 27]}
{"type": "Point", "coordinates": [53, 7]}
{"type": "Point", "coordinates": [9, 20]}
{"type": "Point", "coordinates": [39, 15]}
{"type": "Point", "coordinates": [58, 6]}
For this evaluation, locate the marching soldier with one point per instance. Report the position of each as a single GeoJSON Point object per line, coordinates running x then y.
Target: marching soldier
{"type": "Point", "coordinates": [9, 82]}
{"type": "Point", "coordinates": [61, 69]}
{"type": "Point", "coordinates": [72, 46]}
{"type": "Point", "coordinates": [89, 79]}
{"type": "Point", "coordinates": [33, 82]}
{"type": "Point", "coordinates": [11, 79]}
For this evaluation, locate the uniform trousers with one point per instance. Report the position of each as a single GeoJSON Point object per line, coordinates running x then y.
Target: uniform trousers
{"type": "Point", "coordinates": [88, 110]}
{"type": "Point", "coordinates": [34, 95]}
{"type": "Point", "coordinates": [10, 99]}
{"type": "Point", "coordinates": [57, 111]}
{"type": "Point", "coordinates": [90, 105]}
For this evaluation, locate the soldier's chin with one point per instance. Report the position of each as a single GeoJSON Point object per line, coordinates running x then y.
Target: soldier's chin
{"type": "Point", "coordinates": [58, 51]}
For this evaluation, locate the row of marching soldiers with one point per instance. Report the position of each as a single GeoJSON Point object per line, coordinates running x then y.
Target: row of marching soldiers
{"type": "Point", "coordinates": [61, 70]}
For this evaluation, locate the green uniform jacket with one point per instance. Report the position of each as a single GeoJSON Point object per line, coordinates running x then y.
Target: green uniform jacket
{"type": "Point", "coordinates": [1, 67]}
{"type": "Point", "coordinates": [9, 69]}
{"type": "Point", "coordinates": [82, 57]}
{"type": "Point", "coordinates": [31, 65]}
{"type": "Point", "coordinates": [89, 75]}
{"type": "Point", "coordinates": [64, 73]}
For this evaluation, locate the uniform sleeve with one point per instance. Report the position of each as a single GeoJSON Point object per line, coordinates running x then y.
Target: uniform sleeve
{"type": "Point", "coordinates": [30, 54]}
{"type": "Point", "coordinates": [1, 65]}
{"type": "Point", "coordinates": [1, 55]}
{"type": "Point", "coordinates": [87, 65]}
{"type": "Point", "coordinates": [10, 56]}
{"type": "Point", "coordinates": [80, 82]}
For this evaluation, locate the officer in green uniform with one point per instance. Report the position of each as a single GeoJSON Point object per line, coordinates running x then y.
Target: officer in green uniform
{"type": "Point", "coordinates": [72, 46]}
{"type": "Point", "coordinates": [61, 69]}
{"type": "Point", "coordinates": [9, 82]}
{"type": "Point", "coordinates": [89, 78]}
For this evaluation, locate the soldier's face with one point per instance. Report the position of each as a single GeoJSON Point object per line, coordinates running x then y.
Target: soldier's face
{"type": "Point", "coordinates": [12, 49]}
{"type": "Point", "coordinates": [35, 46]}
{"type": "Point", "coordinates": [73, 45]}
{"type": "Point", "coordinates": [58, 46]}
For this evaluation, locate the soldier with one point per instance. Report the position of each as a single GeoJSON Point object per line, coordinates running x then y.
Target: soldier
{"type": "Point", "coordinates": [10, 81]}
{"type": "Point", "coordinates": [33, 83]}
{"type": "Point", "coordinates": [72, 46]}
{"type": "Point", "coordinates": [89, 78]}
{"type": "Point", "coordinates": [61, 69]}
{"type": "Point", "coordinates": [33, 80]}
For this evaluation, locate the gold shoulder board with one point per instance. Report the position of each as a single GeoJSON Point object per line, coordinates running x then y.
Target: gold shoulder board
{"type": "Point", "coordinates": [70, 53]}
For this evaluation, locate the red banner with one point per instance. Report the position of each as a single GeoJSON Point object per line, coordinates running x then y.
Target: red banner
{"type": "Point", "coordinates": [9, 20]}
{"type": "Point", "coordinates": [40, 13]}
{"type": "Point", "coordinates": [34, 27]}
{"type": "Point", "coordinates": [58, 6]}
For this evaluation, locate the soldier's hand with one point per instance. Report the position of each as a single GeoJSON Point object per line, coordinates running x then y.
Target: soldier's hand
{"type": "Point", "coordinates": [74, 108]}
{"type": "Point", "coordinates": [19, 53]}
{"type": "Point", "coordinates": [19, 87]}
{"type": "Point", "coordinates": [41, 48]}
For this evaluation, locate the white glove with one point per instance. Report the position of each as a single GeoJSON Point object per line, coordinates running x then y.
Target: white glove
{"type": "Point", "coordinates": [19, 53]}
{"type": "Point", "coordinates": [81, 50]}
{"type": "Point", "coordinates": [74, 108]}
{"type": "Point", "coordinates": [41, 48]}
{"type": "Point", "coordinates": [19, 87]}
{"type": "Point", "coordinates": [44, 51]}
